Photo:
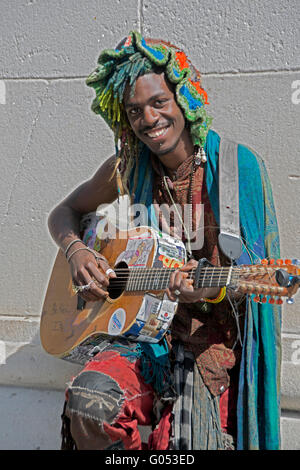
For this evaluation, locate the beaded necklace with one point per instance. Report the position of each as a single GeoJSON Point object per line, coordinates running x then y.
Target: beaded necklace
{"type": "Point", "coordinates": [199, 157]}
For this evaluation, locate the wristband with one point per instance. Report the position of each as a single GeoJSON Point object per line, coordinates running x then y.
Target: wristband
{"type": "Point", "coordinates": [218, 299]}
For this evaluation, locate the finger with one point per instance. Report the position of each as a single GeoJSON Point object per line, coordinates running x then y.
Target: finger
{"type": "Point", "coordinates": [106, 268]}
{"type": "Point", "coordinates": [97, 274]}
{"type": "Point", "coordinates": [93, 295]}
{"type": "Point", "coordinates": [186, 288]}
{"type": "Point", "coordinates": [110, 273]}
{"type": "Point", "coordinates": [179, 280]}
{"type": "Point", "coordinates": [189, 265]}
{"type": "Point", "coordinates": [87, 296]}
{"type": "Point", "coordinates": [96, 289]}
{"type": "Point", "coordinates": [171, 280]}
{"type": "Point", "coordinates": [171, 295]}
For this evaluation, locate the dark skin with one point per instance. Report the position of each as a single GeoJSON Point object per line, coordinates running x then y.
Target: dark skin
{"type": "Point", "coordinates": [157, 120]}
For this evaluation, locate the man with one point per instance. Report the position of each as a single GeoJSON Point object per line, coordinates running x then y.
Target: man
{"type": "Point", "coordinates": [203, 386]}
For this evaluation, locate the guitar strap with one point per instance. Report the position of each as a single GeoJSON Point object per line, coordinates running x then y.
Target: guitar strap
{"type": "Point", "coordinates": [230, 240]}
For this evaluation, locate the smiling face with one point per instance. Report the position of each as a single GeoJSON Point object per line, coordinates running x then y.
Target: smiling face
{"type": "Point", "coordinates": [157, 120]}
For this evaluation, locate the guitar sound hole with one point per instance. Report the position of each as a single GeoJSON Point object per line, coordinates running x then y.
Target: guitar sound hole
{"type": "Point", "coordinates": [117, 285]}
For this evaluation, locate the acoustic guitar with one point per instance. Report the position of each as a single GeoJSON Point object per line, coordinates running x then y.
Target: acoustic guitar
{"type": "Point", "coordinates": [137, 307]}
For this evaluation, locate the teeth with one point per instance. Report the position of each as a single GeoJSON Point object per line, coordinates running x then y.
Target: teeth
{"type": "Point", "coordinates": [157, 133]}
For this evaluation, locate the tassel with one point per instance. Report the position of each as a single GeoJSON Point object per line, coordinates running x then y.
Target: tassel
{"type": "Point", "coordinates": [154, 373]}
{"type": "Point", "coordinates": [120, 186]}
{"type": "Point", "coordinates": [118, 161]}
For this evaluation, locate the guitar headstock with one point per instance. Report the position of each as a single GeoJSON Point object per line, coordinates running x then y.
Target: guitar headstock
{"type": "Point", "coordinates": [270, 280]}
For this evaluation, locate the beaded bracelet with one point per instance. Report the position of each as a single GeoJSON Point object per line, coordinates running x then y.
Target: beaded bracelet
{"type": "Point", "coordinates": [218, 299]}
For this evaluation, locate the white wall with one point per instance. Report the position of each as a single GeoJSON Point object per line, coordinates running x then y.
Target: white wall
{"type": "Point", "coordinates": [248, 53]}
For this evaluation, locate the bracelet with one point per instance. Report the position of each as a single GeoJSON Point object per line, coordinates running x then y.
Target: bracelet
{"type": "Point", "coordinates": [83, 248]}
{"type": "Point", "coordinates": [72, 243]}
{"type": "Point", "coordinates": [218, 299]}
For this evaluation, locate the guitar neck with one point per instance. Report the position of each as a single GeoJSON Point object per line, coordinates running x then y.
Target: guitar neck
{"type": "Point", "coordinates": [141, 279]}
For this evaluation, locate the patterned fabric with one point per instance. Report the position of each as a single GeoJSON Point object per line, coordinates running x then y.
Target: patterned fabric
{"type": "Point", "coordinates": [208, 331]}
{"type": "Point", "coordinates": [196, 417]}
{"type": "Point", "coordinates": [109, 406]}
{"type": "Point", "coordinates": [182, 410]}
{"type": "Point", "coordinates": [259, 381]}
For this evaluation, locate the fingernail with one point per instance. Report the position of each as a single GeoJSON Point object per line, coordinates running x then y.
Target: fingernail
{"type": "Point", "coordinates": [110, 272]}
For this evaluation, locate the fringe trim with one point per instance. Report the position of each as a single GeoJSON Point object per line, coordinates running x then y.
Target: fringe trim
{"type": "Point", "coordinates": [67, 442]}
{"type": "Point", "coordinates": [152, 371]}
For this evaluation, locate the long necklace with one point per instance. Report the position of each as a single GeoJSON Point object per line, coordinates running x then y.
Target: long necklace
{"type": "Point", "coordinates": [199, 157]}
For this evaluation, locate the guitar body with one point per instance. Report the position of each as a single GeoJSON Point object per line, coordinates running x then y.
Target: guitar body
{"type": "Point", "coordinates": [69, 329]}
{"type": "Point", "coordinates": [137, 307]}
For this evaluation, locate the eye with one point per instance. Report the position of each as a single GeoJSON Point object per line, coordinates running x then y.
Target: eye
{"type": "Point", "coordinates": [160, 103]}
{"type": "Point", "coordinates": [133, 111]}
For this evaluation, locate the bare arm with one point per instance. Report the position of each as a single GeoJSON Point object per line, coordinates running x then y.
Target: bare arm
{"type": "Point", "coordinates": [64, 223]}
{"type": "Point", "coordinates": [64, 219]}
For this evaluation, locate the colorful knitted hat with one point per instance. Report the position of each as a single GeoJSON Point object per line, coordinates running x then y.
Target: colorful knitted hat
{"type": "Point", "coordinates": [134, 57]}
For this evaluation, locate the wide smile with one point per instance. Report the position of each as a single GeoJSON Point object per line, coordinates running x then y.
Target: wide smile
{"type": "Point", "coordinates": [157, 134]}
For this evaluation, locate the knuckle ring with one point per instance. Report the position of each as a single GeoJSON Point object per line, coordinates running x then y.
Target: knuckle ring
{"type": "Point", "coordinates": [108, 271]}
{"type": "Point", "coordinates": [77, 289]}
{"type": "Point", "coordinates": [86, 286]}
{"type": "Point", "coordinates": [177, 292]}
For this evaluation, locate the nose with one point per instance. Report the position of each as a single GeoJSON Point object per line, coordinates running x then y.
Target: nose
{"type": "Point", "coordinates": [150, 117]}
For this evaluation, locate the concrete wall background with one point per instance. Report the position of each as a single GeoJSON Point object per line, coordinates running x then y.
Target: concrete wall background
{"type": "Point", "coordinates": [248, 53]}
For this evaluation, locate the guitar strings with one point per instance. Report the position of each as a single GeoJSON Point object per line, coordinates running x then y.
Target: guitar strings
{"type": "Point", "coordinates": [133, 278]}
{"type": "Point", "coordinates": [137, 276]}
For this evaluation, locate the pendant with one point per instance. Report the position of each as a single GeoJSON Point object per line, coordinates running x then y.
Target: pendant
{"type": "Point", "coordinates": [203, 155]}
{"type": "Point", "coordinates": [200, 157]}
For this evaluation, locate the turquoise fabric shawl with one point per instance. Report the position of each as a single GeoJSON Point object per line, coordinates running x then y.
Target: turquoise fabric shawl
{"type": "Point", "coordinates": [258, 406]}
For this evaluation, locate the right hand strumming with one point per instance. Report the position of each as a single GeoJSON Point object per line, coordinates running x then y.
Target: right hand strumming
{"type": "Point", "coordinates": [86, 269]}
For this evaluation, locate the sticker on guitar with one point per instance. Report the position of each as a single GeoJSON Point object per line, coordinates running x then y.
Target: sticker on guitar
{"type": "Point", "coordinates": [137, 252]}
{"type": "Point", "coordinates": [117, 322]}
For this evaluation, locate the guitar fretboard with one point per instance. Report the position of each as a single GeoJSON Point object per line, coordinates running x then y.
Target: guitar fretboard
{"type": "Point", "coordinates": [141, 279]}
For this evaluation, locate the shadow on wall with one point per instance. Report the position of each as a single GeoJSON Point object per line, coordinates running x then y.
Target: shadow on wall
{"type": "Point", "coordinates": [32, 396]}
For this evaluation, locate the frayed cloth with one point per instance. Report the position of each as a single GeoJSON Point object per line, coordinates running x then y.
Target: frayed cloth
{"type": "Point", "coordinates": [67, 441]}
{"type": "Point", "coordinates": [196, 416]}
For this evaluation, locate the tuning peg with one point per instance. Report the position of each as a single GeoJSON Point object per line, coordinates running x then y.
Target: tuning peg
{"type": "Point", "coordinates": [282, 277]}
{"type": "Point", "coordinates": [290, 300]}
